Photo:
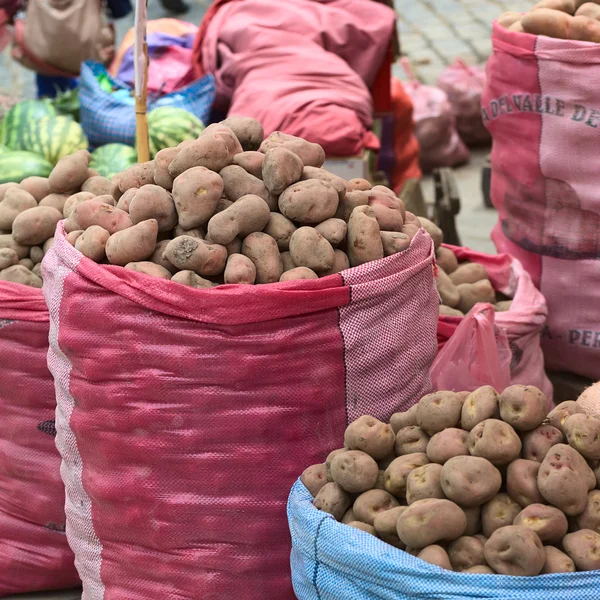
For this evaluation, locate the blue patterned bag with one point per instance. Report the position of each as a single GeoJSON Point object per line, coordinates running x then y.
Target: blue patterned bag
{"type": "Point", "coordinates": [331, 561]}
{"type": "Point", "coordinates": [109, 117]}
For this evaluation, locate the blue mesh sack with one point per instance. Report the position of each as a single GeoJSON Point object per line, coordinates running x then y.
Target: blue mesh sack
{"type": "Point", "coordinates": [109, 117]}
{"type": "Point", "coordinates": [331, 561]}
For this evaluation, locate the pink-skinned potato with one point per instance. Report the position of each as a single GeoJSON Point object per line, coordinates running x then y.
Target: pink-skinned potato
{"type": "Point", "coordinates": [56, 201]}
{"type": "Point", "coordinates": [349, 202]}
{"type": "Point", "coordinates": [196, 193]}
{"type": "Point", "coordinates": [247, 130]}
{"type": "Point", "coordinates": [38, 187]}
{"type": "Point", "coordinates": [125, 200]}
{"type": "Point", "coordinates": [22, 275]}
{"type": "Point", "coordinates": [191, 254]}
{"type": "Point", "coordinates": [394, 242]}
{"type": "Point", "coordinates": [329, 460]}
{"type": "Point", "coordinates": [521, 482]}
{"type": "Point", "coordinates": [363, 527]}
{"type": "Point", "coordinates": [583, 548]}
{"type": "Point", "coordinates": [583, 433]}
{"type": "Point", "coordinates": [35, 225]}
{"type": "Point", "coordinates": [404, 419]}
{"type": "Point", "coordinates": [473, 514]}
{"type": "Point", "coordinates": [133, 244]}
{"type": "Point", "coordinates": [446, 259]}
{"type": "Point", "coordinates": [280, 169]}
{"type": "Point", "coordinates": [240, 270]}
{"type": "Point", "coordinates": [251, 161]}
{"type": "Point", "coordinates": [238, 182]}
{"type": "Point", "coordinates": [191, 279]}
{"type": "Point", "coordinates": [298, 273]}
{"type": "Point", "coordinates": [72, 202]}
{"type": "Point", "coordinates": [333, 500]}
{"type": "Point", "coordinates": [371, 503]}
{"type": "Point", "coordinates": [439, 411]}
{"type": "Point", "coordinates": [309, 202]}
{"type": "Point", "coordinates": [590, 517]}
{"type": "Point", "coordinates": [263, 251]}
{"type": "Point", "coordinates": [73, 236]}
{"type": "Point", "coordinates": [349, 517]}
{"type": "Point", "coordinates": [410, 440]}
{"type": "Point", "coordinates": [481, 570]}
{"type": "Point", "coordinates": [280, 228]}
{"type": "Point", "coordinates": [133, 177]}
{"type": "Point", "coordinates": [499, 512]}
{"type": "Point", "coordinates": [548, 522]}
{"type": "Point", "coordinates": [15, 201]}
{"type": "Point", "coordinates": [557, 562]}
{"type": "Point", "coordinates": [424, 482]}
{"type": "Point", "coordinates": [370, 435]}
{"type": "Point", "coordinates": [515, 550]}
{"type": "Point", "coordinates": [558, 416]}
{"type": "Point", "coordinates": [158, 259]}
{"type": "Point", "coordinates": [312, 155]}
{"type": "Point", "coordinates": [355, 471]}
{"type": "Point", "coordinates": [470, 480]}
{"type": "Point", "coordinates": [149, 268]}
{"type": "Point", "coordinates": [397, 473]}
{"type": "Point", "coordinates": [162, 160]}
{"type": "Point", "coordinates": [98, 185]}
{"type": "Point", "coordinates": [8, 258]}
{"type": "Point", "coordinates": [435, 555]}
{"type": "Point", "coordinates": [358, 183]}
{"type": "Point", "coordinates": [314, 478]}
{"type": "Point", "coordinates": [211, 150]}
{"type": "Point", "coordinates": [93, 212]}
{"type": "Point", "coordinates": [480, 405]}
{"type": "Point", "coordinates": [523, 406]}
{"type": "Point", "coordinates": [341, 263]}
{"type": "Point", "coordinates": [426, 522]}
{"type": "Point", "coordinates": [70, 172]}
{"type": "Point", "coordinates": [495, 440]}
{"type": "Point", "coordinates": [386, 525]}
{"type": "Point", "coordinates": [388, 211]}
{"type": "Point", "coordinates": [338, 184]}
{"type": "Point", "coordinates": [433, 230]}
{"type": "Point", "coordinates": [249, 214]}
{"type": "Point", "coordinates": [153, 202]}
{"type": "Point", "coordinates": [364, 242]}
{"type": "Point", "coordinates": [92, 243]}
{"type": "Point", "coordinates": [538, 442]}
{"type": "Point", "coordinates": [466, 552]}
{"type": "Point", "coordinates": [447, 444]}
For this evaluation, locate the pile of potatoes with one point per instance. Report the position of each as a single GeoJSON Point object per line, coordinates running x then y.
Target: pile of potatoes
{"type": "Point", "coordinates": [476, 482]}
{"type": "Point", "coordinates": [227, 208]}
{"type": "Point", "coordinates": [462, 285]}
{"type": "Point", "coordinates": [562, 19]}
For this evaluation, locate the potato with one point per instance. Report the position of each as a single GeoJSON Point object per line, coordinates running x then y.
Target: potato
{"type": "Point", "coordinates": [308, 248]}
{"type": "Point", "coordinates": [22, 275]}
{"type": "Point", "coordinates": [364, 237]}
{"type": "Point", "coordinates": [583, 548]}
{"type": "Point", "coordinates": [404, 419]}
{"type": "Point", "coordinates": [394, 242]}
{"type": "Point", "coordinates": [237, 182]}
{"type": "Point", "coordinates": [287, 262]}
{"type": "Point", "coordinates": [557, 562]}
{"type": "Point", "coordinates": [388, 211]}
{"type": "Point", "coordinates": [517, 26]}
{"type": "Point", "coordinates": [446, 444]}
{"type": "Point", "coordinates": [314, 478]}
{"type": "Point", "coordinates": [309, 202]}
{"type": "Point", "coordinates": [495, 440]}
{"type": "Point", "coordinates": [434, 231]}
{"type": "Point", "coordinates": [363, 527]}
{"type": "Point", "coordinates": [439, 411]}
{"type": "Point", "coordinates": [473, 514]}
{"type": "Point", "coordinates": [240, 269]}
{"type": "Point", "coordinates": [14, 203]}
{"type": "Point", "coordinates": [7, 241]}
{"type": "Point", "coordinates": [537, 443]}
{"type": "Point", "coordinates": [410, 440]}
{"type": "Point", "coordinates": [567, 6]}
{"type": "Point", "coordinates": [94, 212]}
{"type": "Point", "coordinates": [449, 294]}
{"type": "Point", "coordinates": [558, 416]}
{"type": "Point", "coordinates": [446, 259]}
{"type": "Point", "coordinates": [196, 193]}
{"type": "Point", "coordinates": [70, 203]}
{"type": "Point", "coordinates": [8, 258]}
{"type": "Point", "coordinates": [354, 471]}
{"type": "Point", "coordinates": [73, 236]}
{"type": "Point", "coordinates": [349, 517]}
{"type": "Point", "coordinates": [298, 273]}
{"type": "Point", "coordinates": [564, 479]}
{"type": "Point", "coordinates": [545, 21]}
{"type": "Point", "coordinates": [251, 162]}
{"type": "Point", "coordinates": [191, 279]}
{"type": "Point", "coordinates": [590, 517]}
{"type": "Point", "coordinates": [312, 155]}
{"type": "Point", "coordinates": [583, 434]}
{"type": "Point", "coordinates": [370, 435]}
{"type": "Point", "coordinates": [340, 263]}
{"type": "Point", "coordinates": [333, 230]}
{"type": "Point", "coordinates": [213, 151]}
{"type": "Point", "coordinates": [426, 522]}
{"type": "Point", "coordinates": [153, 202]}
{"type": "Point", "coordinates": [35, 225]}
{"type": "Point", "coordinates": [248, 131]}
{"type": "Point", "coordinates": [262, 250]}
{"type": "Point", "coordinates": [357, 184]}
{"type": "Point", "coordinates": [56, 201]}
{"type": "Point", "coordinates": [499, 512]}
{"type": "Point", "coordinates": [371, 503]}
{"type": "Point", "coordinates": [38, 187]}
{"type": "Point", "coordinates": [480, 405]}
{"type": "Point", "coordinates": [248, 215]}
{"type": "Point", "coordinates": [509, 18]}
{"type": "Point", "coordinates": [446, 311]}
{"type": "Point", "coordinates": [473, 293]}
{"type": "Point", "coordinates": [396, 474]}
{"type": "Point", "coordinates": [92, 243]}
{"type": "Point", "coordinates": [99, 186]}
{"type": "Point", "coordinates": [223, 204]}
{"type": "Point", "coordinates": [329, 460]}
{"type": "Point", "coordinates": [321, 174]}
{"type": "Point", "coordinates": [424, 482]}
{"type": "Point", "coordinates": [521, 482]}
{"type": "Point", "coordinates": [149, 268]}
{"type": "Point", "coordinates": [46, 247]}
{"type": "Point", "coordinates": [133, 177]}
{"type": "Point", "coordinates": [466, 552]}
{"type": "Point", "coordinates": [515, 550]}
{"type": "Point", "coordinates": [191, 254]}
{"type": "Point", "coordinates": [584, 28]}
{"type": "Point", "coordinates": [503, 306]}
{"type": "Point", "coordinates": [333, 500]}
{"type": "Point", "coordinates": [386, 525]}
{"type": "Point", "coordinates": [4, 187]}
{"type": "Point", "coordinates": [468, 273]}
{"type": "Point", "coordinates": [548, 522]}
{"type": "Point", "coordinates": [280, 228]}
{"type": "Point", "coordinates": [588, 9]}
{"type": "Point", "coordinates": [481, 570]}
{"type": "Point", "coordinates": [435, 555]}
{"type": "Point", "coordinates": [523, 406]}
{"type": "Point", "coordinates": [349, 202]}
{"type": "Point", "coordinates": [70, 172]}
{"type": "Point", "coordinates": [470, 480]}
{"type": "Point", "coordinates": [26, 262]}
{"type": "Point", "coordinates": [161, 174]}
{"type": "Point", "coordinates": [280, 169]}
{"type": "Point", "coordinates": [134, 244]}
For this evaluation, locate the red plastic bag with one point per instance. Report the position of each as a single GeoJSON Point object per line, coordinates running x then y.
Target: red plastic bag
{"type": "Point", "coordinates": [435, 126]}
{"type": "Point", "coordinates": [184, 415]}
{"type": "Point", "coordinates": [522, 324]}
{"type": "Point", "coordinates": [34, 554]}
{"type": "Point", "coordinates": [464, 85]}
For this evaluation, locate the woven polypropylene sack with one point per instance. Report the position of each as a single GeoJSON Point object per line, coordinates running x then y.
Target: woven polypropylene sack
{"type": "Point", "coordinates": [542, 107]}
{"type": "Point", "coordinates": [331, 561]}
{"type": "Point", "coordinates": [34, 554]}
{"type": "Point", "coordinates": [184, 415]}
{"type": "Point", "coordinates": [522, 324]}
{"type": "Point", "coordinates": [109, 118]}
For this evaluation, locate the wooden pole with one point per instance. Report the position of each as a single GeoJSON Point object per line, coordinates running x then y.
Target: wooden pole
{"type": "Point", "coordinates": [141, 81]}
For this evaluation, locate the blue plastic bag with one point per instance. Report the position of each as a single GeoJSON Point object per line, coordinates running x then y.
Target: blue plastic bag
{"type": "Point", "coordinates": [110, 117]}
{"type": "Point", "coordinates": [331, 561]}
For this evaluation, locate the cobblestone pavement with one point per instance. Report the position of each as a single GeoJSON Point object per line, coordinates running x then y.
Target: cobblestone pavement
{"type": "Point", "coordinates": [434, 32]}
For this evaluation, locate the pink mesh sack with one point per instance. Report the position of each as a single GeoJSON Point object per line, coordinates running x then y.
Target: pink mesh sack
{"type": "Point", "coordinates": [34, 554]}
{"type": "Point", "coordinates": [542, 107]}
{"type": "Point", "coordinates": [521, 325]}
{"type": "Point", "coordinates": [435, 126]}
{"type": "Point", "coordinates": [184, 415]}
{"type": "Point", "coordinates": [464, 85]}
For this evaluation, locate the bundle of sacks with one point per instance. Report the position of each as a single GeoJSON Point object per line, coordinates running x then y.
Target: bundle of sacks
{"type": "Point", "coordinates": [229, 207]}
{"type": "Point", "coordinates": [476, 482]}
